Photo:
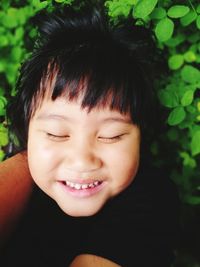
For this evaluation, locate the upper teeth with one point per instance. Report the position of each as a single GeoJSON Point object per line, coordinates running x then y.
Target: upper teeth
{"type": "Point", "coordinates": [82, 186]}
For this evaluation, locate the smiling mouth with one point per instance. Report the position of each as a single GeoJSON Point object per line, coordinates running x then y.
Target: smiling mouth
{"type": "Point", "coordinates": [81, 186]}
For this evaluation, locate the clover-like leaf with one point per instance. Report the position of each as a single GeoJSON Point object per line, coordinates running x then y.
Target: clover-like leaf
{"type": "Point", "coordinates": [176, 61]}
{"type": "Point", "coordinates": [164, 29]}
{"type": "Point", "coordinates": [190, 56]}
{"type": "Point", "coordinates": [168, 98]}
{"type": "Point", "coordinates": [158, 13]}
{"type": "Point", "coordinates": [176, 40]}
{"type": "Point", "coordinates": [188, 18]}
{"type": "Point", "coordinates": [190, 74]}
{"type": "Point", "coordinates": [176, 116]}
{"type": "Point", "coordinates": [9, 20]}
{"type": "Point", "coordinates": [143, 8]}
{"type": "Point", "coordinates": [178, 11]}
{"type": "Point", "coordinates": [187, 98]}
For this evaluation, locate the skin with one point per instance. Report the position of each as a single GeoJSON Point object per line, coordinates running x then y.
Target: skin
{"type": "Point", "coordinates": [67, 143]}
{"type": "Point", "coordinates": [79, 147]}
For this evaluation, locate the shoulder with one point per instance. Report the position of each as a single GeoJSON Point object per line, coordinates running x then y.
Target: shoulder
{"type": "Point", "coordinates": [92, 260]}
{"type": "Point", "coordinates": [15, 189]}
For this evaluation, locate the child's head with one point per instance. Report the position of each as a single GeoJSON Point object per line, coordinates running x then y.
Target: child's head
{"type": "Point", "coordinates": [81, 104]}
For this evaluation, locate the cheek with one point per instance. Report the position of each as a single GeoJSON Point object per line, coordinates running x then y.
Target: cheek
{"type": "Point", "coordinates": [124, 161]}
{"type": "Point", "coordinates": [123, 169]}
{"type": "Point", "coordinates": [41, 158]}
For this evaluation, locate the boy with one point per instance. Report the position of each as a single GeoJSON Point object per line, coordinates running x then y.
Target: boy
{"type": "Point", "coordinates": [83, 105]}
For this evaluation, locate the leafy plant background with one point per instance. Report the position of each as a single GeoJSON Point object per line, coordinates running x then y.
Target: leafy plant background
{"type": "Point", "coordinates": [176, 25]}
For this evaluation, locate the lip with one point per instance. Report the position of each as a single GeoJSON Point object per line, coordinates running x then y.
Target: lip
{"type": "Point", "coordinates": [82, 193]}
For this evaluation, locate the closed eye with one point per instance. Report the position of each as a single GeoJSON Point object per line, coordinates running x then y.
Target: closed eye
{"type": "Point", "coordinates": [111, 139]}
{"type": "Point", "coordinates": [57, 137]}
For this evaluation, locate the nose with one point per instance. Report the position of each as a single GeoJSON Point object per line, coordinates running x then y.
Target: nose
{"type": "Point", "coordinates": [83, 157]}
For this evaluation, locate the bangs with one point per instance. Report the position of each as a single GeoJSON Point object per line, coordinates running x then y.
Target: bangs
{"type": "Point", "coordinates": [99, 75]}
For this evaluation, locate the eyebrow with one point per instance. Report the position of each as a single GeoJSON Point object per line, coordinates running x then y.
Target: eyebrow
{"type": "Point", "coordinates": [52, 116]}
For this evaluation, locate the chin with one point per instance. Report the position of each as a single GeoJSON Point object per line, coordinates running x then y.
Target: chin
{"type": "Point", "coordinates": [80, 212]}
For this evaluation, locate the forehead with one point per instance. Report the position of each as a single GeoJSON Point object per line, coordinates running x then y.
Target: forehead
{"type": "Point", "coordinates": [65, 110]}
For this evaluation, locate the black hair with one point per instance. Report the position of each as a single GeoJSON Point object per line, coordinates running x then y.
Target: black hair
{"type": "Point", "coordinates": [82, 46]}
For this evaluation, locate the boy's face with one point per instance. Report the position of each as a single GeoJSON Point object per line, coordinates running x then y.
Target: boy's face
{"type": "Point", "coordinates": [81, 159]}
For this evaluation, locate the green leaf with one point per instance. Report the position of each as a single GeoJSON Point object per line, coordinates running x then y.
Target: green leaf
{"type": "Point", "coordinates": [197, 58]}
{"type": "Point", "coordinates": [143, 8]}
{"type": "Point", "coordinates": [191, 200]}
{"type": "Point", "coordinates": [3, 41]}
{"type": "Point", "coordinates": [190, 74]}
{"type": "Point", "coordinates": [183, 87]}
{"type": "Point", "coordinates": [175, 41]}
{"type": "Point", "coordinates": [188, 160]}
{"type": "Point", "coordinates": [3, 101]}
{"type": "Point", "coordinates": [176, 116]}
{"type": "Point", "coordinates": [158, 13]}
{"type": "Point", "coordinates": [164, 29]}
{"type": "Point", "coordinates": [188, 18]}
{"type": "Point", "coordinates": [124, 10]}
{"type": "Point", "coordinates": [2, 155]}
{"type": "Point", "coordinates": [2, 66]}
{"type": "Point", "coordinates": [187, 98]}
{"type": "Point", "coordinates": [11, 73]}
{"type": "Point", "coordinates": [10, 18]}
{"type": "Point", "coordinates": [35, 3]}
{"type": "Point", "coordinates": [191, 109]}
{"type": "Point", "coordinates": [19, 33]}
{"type": "Point", "coordinates": [198, 22]}
{"type": "Point", "coordinates": [64, 1]}
{"type": "Point", "coordinates": [195, 143]}
{"type": "Point", "coordinates": [175, 61]}
{"type": "Point", "coordinates": [118, 8]}
{"type": "Point", "coordinates": [16, 53]}
{"type": "Point", "coordinates": [168, 98]}
{"type": "Point", "coordinates": [3, 136]}
{"type": "Point", "coordinates": [198, 9]}
{"type": "Point", "coordinates": [190, 56]}
{"type": "Point", "coordinates": [2, 30]}
{"type": "Point", "coordinates": [178, 11]}
{"type": "Point", "coordinates": [21, 17]}
{"type": "Point", "coordinates": [33, 33]}
{"type": "Point", "coordinates": [43, 4]}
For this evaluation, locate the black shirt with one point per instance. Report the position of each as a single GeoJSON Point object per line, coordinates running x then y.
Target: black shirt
{"type": "Point", "coordinates": [137, 228]}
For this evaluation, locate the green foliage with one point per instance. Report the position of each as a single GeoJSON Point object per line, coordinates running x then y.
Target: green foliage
{"type": "Point", "coordinates": [14, 32]}
{"type": "Point", "coordinates": [176, 26]}
{"type": "Point", "coordinates": [143, 8]}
